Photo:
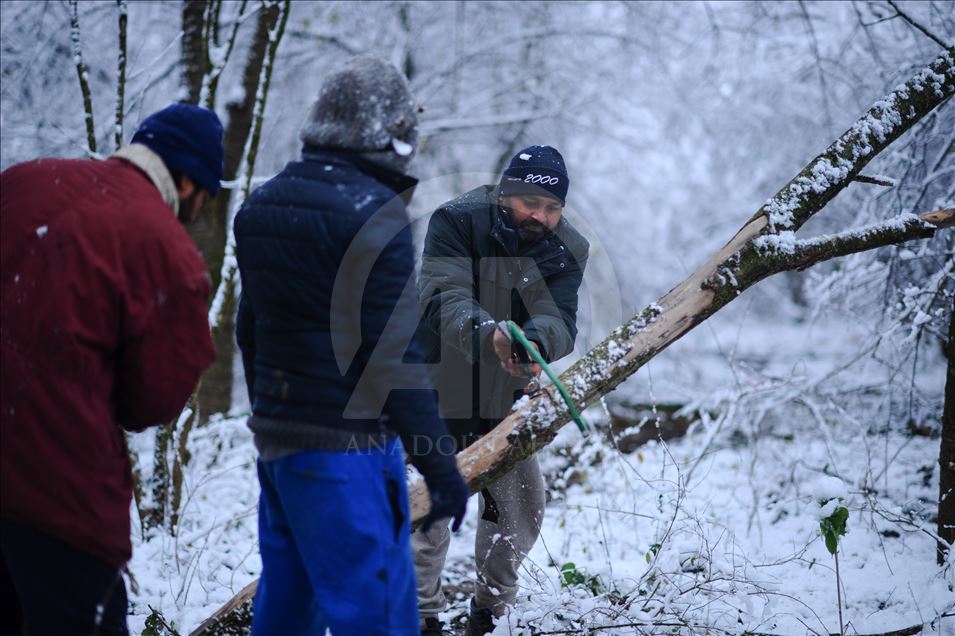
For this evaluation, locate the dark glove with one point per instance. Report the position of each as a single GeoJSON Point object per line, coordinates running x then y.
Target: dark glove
{"type": "Point", "coordinates": [449, 497]}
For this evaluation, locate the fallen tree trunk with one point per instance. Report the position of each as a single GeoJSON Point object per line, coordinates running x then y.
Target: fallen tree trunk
{"type": "Point", "coordinates": [633, 425]}
{"type": "Point", "coordinates": [765, 245]}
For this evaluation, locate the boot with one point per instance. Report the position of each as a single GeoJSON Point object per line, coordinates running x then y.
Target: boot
{"type": "Point", "coordinates": [480, 621]}
{"type": "Point", "coordinates": [431, 626]}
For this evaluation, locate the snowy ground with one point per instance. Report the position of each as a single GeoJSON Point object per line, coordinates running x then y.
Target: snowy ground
{"type": "Point", "coordinates": [716, 532]}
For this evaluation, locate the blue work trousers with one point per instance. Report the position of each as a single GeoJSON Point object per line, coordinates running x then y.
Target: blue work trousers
{"type": "Point", "coordinates": [334, 538]}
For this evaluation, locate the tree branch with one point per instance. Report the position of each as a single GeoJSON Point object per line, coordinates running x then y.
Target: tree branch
{"type": "Point", "coordinates": [325, 38]}
{"type": "Point", "coordinates": [265, 80]}
{"type": "Point", "coordinates": [885, 121]}
{"type": "Point", "coordinates": [210, 82]}
{"type": "Point", "coordinates": [907, 227]}
{"type": "Point", "coordinates": [918, 26]}
{"type": "Point", "coordinates": [435, 126]}
{"type": "Point", "coordinates": [861, 178]}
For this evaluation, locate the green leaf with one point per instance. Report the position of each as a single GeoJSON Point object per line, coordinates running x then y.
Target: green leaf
{"type": "Point", "coordinates": [832, 542]}
{"type": "Point", "coordinates": [833, 527]}
{"type": "Point", "coordinates": [569, 575]}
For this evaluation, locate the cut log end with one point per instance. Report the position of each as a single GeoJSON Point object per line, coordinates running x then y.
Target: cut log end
{"type": "Point", "coordinates": [941, 218]}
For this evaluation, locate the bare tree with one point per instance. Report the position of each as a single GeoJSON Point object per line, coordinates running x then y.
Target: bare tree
{"type": "Point", "coordinates": [82, 72]}
{"type": "Point", "coordinates": [171, 450]}
{"type": "Point", "coordinates": [946, 456]}
{"type": "Point", "coordinates": [195, 55]}
{"type": "Point", "coordinates": [120, 117]}
{"type": "Point", "coordinates": [211, 231]}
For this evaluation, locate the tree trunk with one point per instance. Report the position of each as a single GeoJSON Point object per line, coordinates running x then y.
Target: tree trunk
{"type": "Point", "coordinates": [756, 251]}
{"type": "Point", "coordinates": [82, 72]}
{"type": "Point", "coordinates": [194, 55]}
{"type": "Point", "coordinates": [120, 116]}
{"type": "Point", "coordinates": [211, 229]}
{"type": "Point", "coordinates": [946, 455]}
{"type": "Point", "coordinates": [633, 425]}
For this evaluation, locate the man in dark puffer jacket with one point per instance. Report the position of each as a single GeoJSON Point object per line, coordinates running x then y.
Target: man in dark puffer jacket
{"type": "Point", "coordinates": [327, 311]}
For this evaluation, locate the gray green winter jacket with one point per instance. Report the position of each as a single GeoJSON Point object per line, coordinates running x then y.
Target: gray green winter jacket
{"type": "Point", "coordinates": [474, 273]}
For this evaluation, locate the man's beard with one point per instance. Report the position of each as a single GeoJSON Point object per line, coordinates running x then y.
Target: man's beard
{"type": "Point", "coordinates": [532, 231]}
{"type": "Point", "coordinates": [187, 208]}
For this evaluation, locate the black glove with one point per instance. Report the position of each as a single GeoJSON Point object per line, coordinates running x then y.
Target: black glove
{"type": "Point", "coordinates": [449, 497]}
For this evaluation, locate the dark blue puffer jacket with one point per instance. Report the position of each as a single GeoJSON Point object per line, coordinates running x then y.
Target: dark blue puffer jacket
{"type": "Point", "coordinates": [326, 261]}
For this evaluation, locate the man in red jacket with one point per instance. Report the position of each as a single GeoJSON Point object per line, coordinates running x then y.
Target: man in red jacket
{"type": "Point", "coordinates": [103, 328]}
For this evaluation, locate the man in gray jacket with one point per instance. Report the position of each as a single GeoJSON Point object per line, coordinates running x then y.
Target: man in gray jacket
{"type": "Point", "coordinates": [499, 252]}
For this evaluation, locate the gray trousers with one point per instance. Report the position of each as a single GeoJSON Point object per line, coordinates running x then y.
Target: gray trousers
{"type": "Point", "coordinates": [508, 527]}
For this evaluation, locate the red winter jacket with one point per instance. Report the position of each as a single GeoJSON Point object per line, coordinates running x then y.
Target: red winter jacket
{"type": "Point", "coordinates": [103, 324]}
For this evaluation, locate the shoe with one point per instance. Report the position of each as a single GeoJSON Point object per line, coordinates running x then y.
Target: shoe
{"type": "Point", "coordinates": [432, 627]}
{"type": "Point", "coordinates": [480, 621]}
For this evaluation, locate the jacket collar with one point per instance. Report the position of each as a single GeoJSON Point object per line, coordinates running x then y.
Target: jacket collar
{"type": "Point", "coordinates": [153, 166]}
{"type": "Point", "coordinates": [401, 184]}
{"type": "Point", "coordinates": [501, 231]}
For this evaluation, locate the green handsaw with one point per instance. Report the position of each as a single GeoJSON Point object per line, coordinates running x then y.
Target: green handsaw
{"type": "Point", "coordinates": [513, 332]}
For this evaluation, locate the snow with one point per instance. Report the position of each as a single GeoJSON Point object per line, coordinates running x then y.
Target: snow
{"type": "Point", "coordinates": [829, 488]}
{"type": "Point", "coordinates": [895, 224]}
{"type": "Point", "coordinates": [826, 509]}
{"type": "Point", "coordinates": [823, 175]}
{"type": "Point", "coordinates": [733, 507]}
{"type": "Point", "coordinates": [668, 153]}
{"type": "Point", "coordinates": [784, 242]}
{"type": "Point", "coordinates": [215, 552]}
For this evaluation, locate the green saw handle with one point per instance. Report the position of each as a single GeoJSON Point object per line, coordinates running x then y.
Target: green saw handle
{"type": "Point", "coordinates": [517, 334]}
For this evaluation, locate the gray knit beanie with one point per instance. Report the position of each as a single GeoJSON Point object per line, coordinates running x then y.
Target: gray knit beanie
{"type": "Point", "coordinates": [365, 106]}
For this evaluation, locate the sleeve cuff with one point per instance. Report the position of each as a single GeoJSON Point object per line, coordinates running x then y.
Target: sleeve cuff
{"type": "Point", "coordinates": [532, 334]}
{"type": "Point", "coordinates": [483, 338]}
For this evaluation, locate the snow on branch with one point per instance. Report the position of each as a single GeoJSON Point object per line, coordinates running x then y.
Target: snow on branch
{"type": "Point", "coordinates": [219, 56]}
{"type": "Point", "coordinates": [841, 163]}
{"type": "Point", "coordinates": [799, 255]}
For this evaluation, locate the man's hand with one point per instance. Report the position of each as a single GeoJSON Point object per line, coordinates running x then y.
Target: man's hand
{"type": "Point", "coordinates": [509, 360]}
{"type": "Point", "coordinates": [449, 498]}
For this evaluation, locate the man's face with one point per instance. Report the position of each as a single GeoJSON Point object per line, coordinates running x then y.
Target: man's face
{"type": "Point", "coordinates": [534, 216]}
{"type": "Point", "coordinates": [191, 199]}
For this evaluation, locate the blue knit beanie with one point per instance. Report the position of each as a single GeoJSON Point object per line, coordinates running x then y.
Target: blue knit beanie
{"type": "Point", "coordinates": [536, 170]}
{"type": "Point", "coordinates": [189, 139]}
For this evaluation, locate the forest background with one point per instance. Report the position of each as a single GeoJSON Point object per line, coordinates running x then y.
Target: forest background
{"type": "Point", "coordinates": [677, 121]}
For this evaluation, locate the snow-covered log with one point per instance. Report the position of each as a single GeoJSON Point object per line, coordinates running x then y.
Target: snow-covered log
{"type": "Point", "coordinates": [765, 245]}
